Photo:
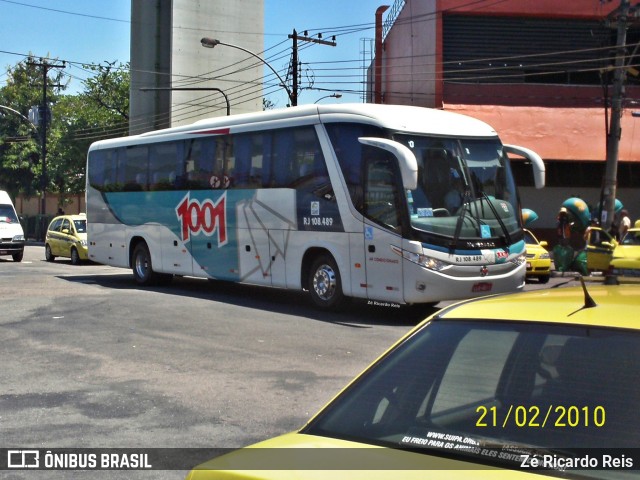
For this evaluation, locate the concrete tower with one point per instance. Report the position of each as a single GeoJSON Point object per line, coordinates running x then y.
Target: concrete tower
{"type": "Point", "coordinates": [166, 55]}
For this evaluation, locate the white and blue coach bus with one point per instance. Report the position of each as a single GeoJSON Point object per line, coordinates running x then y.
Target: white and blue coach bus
{"type": "Point", "coordinates": [388, 203]}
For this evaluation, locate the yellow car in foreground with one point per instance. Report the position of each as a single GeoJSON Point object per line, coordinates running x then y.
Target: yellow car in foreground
{"type": "Point", "coordinates": [542, 382]}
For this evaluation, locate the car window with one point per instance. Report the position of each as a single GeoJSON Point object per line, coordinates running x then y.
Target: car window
{"type": "Point", "coordinates": [463, 366]}
{"type": "Point", "coordinates": [65, 224]}
{"type": "Point", "coordinates": [499, 383]}
{"type": "Point", "coordinates": [55, 225]}
{"type": "Point", "coordinates": [631, 238]}
{"type": "Point", "coordinates": [7, 215]}
{"type": "Point", "coordinates": [81, 226]}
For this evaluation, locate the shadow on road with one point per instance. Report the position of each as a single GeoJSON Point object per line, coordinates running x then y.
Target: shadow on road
{"type": "Point", "coordinates": [356, 313]}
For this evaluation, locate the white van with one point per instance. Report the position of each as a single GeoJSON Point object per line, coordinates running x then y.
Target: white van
{"type": "Point", "coordinates": [11, 234]}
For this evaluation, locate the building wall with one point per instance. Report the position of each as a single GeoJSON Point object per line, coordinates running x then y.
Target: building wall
{"type": "Point", "coordinates": [561, 122]}
{"type": "Point", "coordinates": [409, 51]}
{"type": "Point", "coordinates": [538, 8]}
{"type": "Point", "coordinates": [572, 134]}
{"type": "Point", "coordinates": [150, 54]}
{"type": "Point", "coordinates": [238, 74]}
{"type": "Point", "coordinates": [166, 54]}
{"type": "Point", "coordinates": [74, 204]}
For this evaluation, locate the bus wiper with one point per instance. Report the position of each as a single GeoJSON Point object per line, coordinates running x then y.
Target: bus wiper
{"type": "Point", "coordinates": [496, 215]}
{"type": "Point", "coordinates": [466, 200]}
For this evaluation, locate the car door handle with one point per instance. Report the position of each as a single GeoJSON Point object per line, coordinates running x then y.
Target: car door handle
{"type": "Point", "coordinates": [372, 248]}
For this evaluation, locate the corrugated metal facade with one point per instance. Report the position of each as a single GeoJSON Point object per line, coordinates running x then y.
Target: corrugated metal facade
{"type": "Point", "coordinates": [506, 49]}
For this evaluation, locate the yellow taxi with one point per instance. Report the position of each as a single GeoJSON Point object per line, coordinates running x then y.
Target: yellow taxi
{"type": "Point", "coordinates": [538, 258]}
{"type": "Point", "coordinates": [599, 246]}
{"type": "Point", "coordinates": [510, 386]}
{"type": "Point", "coordinates": [625, 261]}
{"type": "Point", "coordinates": [67, 237]}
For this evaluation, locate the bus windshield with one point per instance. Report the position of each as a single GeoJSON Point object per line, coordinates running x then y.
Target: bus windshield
{"type": "Point", "coordinates": [465, 188]}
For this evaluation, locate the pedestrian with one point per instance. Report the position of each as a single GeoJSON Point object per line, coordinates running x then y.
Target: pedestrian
{"type": "Point", "coordinates": [624, 224]}
{"type": "Point", "coordinates": [563, 227]}
{"type": "Point", "coordinates": [592, 235]}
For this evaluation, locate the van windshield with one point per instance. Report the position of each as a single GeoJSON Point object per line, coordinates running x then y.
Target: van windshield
{"type": "Point", "coordinates": [7, 214]}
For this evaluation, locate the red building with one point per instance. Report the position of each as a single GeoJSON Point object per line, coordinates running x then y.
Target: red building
{"type": "Point", "coordinates": [539, 72]}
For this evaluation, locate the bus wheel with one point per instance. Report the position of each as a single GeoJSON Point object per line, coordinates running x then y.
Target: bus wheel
{"type": "Point", "coordinates": [325, 285]}
{"type": "Point", "coordinates": [142, 268]}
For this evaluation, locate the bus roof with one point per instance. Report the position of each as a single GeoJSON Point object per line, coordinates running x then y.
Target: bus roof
{"type": "Point", "coordinates": [403, 118]}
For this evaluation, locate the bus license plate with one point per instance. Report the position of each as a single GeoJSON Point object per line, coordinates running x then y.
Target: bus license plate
{"type": "Point", "coordinates": [482, 287]}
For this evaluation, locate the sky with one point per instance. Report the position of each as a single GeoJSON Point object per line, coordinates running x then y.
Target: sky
{"type": "Point", "coordinates": [85, 32]}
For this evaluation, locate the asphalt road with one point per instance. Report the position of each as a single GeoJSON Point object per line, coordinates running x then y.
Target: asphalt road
{"type": "Point", "coordinates": [90, 360]}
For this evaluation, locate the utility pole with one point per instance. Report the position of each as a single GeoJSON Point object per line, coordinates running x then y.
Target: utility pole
{"type": "Point", "coordinates": [294, 60]}
{"type": "Point", "coordinates": [45, 117]}
{"type": "Point", "coordinates": [614, 133]}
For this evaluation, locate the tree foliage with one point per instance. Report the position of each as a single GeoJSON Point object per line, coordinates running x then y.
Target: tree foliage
{"type": "Point", "coordinates": [100, 110]}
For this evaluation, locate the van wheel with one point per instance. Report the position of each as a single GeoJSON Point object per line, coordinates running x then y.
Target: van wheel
{"type": "Point", "coordinates": [75, 257]}
{"type": "Point", "coordinates": [17, 257]}
{"type": "Point", "coordinates": [48, 256]}
{"type": "Point", "coordinates": [324, 283]}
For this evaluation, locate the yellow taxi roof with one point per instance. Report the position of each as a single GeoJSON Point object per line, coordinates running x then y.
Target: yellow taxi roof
{"type": "Point", "coordinates": [616, 306]}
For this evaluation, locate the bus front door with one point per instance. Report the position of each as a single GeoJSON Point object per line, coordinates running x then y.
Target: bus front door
{"type": "Point", "coordinates": [382, 228]}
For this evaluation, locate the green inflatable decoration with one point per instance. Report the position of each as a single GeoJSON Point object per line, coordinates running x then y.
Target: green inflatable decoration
{"type": "Point", "coordinates": [580, 211]}
{"type": "Point", "coordinates": [580, 263]}
{"type": "Point", "coordinates": [528, 216]}
{"type": "Point", "coordinates": [562, 257]}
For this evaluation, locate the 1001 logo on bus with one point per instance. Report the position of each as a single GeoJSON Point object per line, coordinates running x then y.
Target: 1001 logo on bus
{"type": "Point", "coordinates": [206, 217]}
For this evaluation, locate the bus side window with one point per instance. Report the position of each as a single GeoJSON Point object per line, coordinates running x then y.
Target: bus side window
{"type": "Point", "coordinates": [198, 163]}
{"type": "Point", "coordinates": [103, 170]}
{"type": "Point", "coordinates": [283, 155]}
{"type": "Point", "coordinates": [242, 149]}
{"type": "Point", "coordinates": [163, 162]}
{"type": "Point", "coordinates": [136, 173]}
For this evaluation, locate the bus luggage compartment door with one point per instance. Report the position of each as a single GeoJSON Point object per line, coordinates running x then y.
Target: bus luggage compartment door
{"type": "Point", "coordinates": [383, 265]}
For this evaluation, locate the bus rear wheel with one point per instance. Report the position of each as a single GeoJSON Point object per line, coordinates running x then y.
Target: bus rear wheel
{"type": "Point", "coordinates": [325, 285]}
{"type": "Point", "coordinates": [141, 265]}
{"type": "Point", "coordinates": [142, 268]}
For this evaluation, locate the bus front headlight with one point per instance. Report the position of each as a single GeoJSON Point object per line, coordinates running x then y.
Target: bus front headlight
{"type": "Point", "coordinates": [426, 261]}
{"type": "Point", "coordinates": [520, 259]}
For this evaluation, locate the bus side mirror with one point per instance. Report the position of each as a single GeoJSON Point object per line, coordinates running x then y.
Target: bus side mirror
{"type": "Point", "coordinates": [536, 162]}
{"type": "Point", "coordinates": [406, 159]}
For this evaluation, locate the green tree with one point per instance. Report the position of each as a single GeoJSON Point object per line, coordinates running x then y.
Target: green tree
{"type": "Point", "coordinates": [108, 93]}
{"type": "Point", "coordinates": [20, 166]}
{"type": "Point", "coordinates": [100, 111]}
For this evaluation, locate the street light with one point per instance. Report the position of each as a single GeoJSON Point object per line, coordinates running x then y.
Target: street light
{"type": "Point", "coordinates": [33, 127]}
{"type": "Point", "coordinates": [212, 42]}
{"type": "Point", "coordinates": [226, 99]}
{"type": "Point", "coordinates": [333, 95]}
